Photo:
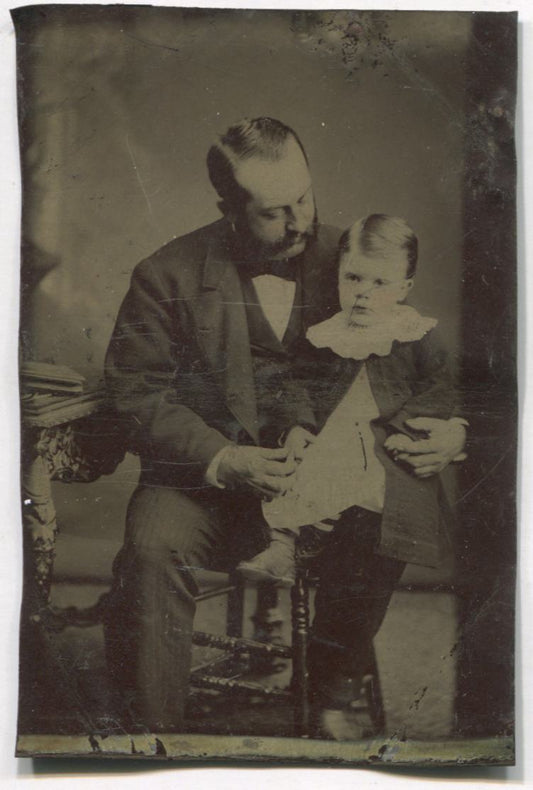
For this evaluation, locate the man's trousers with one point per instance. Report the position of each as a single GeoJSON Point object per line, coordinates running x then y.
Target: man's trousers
{"type": "Point", "coordinates": [169, 536]}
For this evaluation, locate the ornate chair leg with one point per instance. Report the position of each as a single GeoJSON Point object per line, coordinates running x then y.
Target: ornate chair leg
{"type": "Point", "coordinates": [235, 610]}
{"type": "Point", "coordinates": [300, 636]}
{"type": "Point", "coordinates": [268, 620]}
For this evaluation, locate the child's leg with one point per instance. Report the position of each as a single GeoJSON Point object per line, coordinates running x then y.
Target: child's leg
{"type": "Point", "coordinates": [356, 586]}
{"type": "Point", "coordinates": [276, 562]}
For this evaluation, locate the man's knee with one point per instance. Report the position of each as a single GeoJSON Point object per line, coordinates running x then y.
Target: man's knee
{"type": "Point", "coordinates": [164, 523]}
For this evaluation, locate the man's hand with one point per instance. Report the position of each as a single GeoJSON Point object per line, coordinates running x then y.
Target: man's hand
{"type": "Point", "coordinates": [267, 472]}
{"type": "Point", "coordinates": [444, 443]}
{"type": "Point", "coordinates": [297, 440]}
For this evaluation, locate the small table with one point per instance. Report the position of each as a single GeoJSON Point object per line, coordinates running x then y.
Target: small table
{"type": "Point", "coordinates": [73, 439]}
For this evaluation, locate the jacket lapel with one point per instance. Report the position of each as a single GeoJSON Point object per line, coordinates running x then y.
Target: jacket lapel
{"type": "Point", "coordinates": [223, 334]}
{"type": "Point", "coordinates": [387, 376]}
{"type": "Point", "coordinates": [379, 384]}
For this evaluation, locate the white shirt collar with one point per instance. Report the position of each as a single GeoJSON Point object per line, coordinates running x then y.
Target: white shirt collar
{"type": "Point", "coordinates": [404, 324]}
{"type": "Point", "coordinates": [276, 297]}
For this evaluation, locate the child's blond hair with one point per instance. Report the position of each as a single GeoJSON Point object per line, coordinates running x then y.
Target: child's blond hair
{"type": "Point", "coordinates": [379, 235]}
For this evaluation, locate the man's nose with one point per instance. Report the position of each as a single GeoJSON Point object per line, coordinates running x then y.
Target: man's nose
{"type": "Point", "coordinates": [297, 220]}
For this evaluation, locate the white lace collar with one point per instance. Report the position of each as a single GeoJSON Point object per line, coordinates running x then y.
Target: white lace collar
{"type": "Point", "coordinates": [404, 324]}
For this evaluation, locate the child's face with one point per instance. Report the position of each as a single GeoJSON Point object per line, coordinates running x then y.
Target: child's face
{"type": "Point", "coordinates": [370, 286]}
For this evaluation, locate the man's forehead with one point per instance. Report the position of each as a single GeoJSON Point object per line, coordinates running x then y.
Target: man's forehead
{"type": "Point", "coordinates": [275, 183]}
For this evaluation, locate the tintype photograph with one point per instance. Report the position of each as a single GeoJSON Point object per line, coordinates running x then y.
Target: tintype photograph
{"type": "Point", "coordinates": [268, 386]}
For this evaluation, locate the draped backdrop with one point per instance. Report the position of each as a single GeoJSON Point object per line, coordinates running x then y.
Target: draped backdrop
{"type": "Point", "coordinates": [120, 105]}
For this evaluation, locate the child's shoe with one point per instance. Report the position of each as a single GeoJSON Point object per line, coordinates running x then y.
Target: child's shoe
{"type": "Point", "coordinates": [340, 725]}
{"type": "Point", "coordinates": [274, 564]}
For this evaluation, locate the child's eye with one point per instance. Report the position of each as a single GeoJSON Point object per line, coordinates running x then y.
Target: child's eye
{"type": "Point", "coordinates": [353, 278]}
{"type": "Point", "coordinates": [379, 283]}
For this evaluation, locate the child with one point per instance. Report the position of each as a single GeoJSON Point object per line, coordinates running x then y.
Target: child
{"type": "Point", "coordinates": [366, 370]}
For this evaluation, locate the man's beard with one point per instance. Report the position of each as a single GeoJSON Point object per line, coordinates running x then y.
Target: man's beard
{"type": "Point", "coordinates": [266, 251]}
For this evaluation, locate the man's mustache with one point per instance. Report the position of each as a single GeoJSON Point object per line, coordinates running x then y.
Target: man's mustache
{"type": "Point", "coordinates": [251, 244]}
{"type": "Point", "coordinates": [295, 236]}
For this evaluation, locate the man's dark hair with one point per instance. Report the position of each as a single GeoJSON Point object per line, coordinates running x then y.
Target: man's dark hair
{"type": "Point", "coordinates": [262, 137]}
{"type": "Point", "coordinates": [379, 234]}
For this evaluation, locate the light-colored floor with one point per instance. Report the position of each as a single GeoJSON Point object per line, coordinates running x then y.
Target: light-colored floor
{"type": "Point", "coordinates": [415, 651]}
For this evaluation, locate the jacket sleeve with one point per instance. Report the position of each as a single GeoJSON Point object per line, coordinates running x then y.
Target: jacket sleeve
{"type": "Point", "coordinates": [434, 390]}
{"type": "Point", "coordinates": [149, 380]}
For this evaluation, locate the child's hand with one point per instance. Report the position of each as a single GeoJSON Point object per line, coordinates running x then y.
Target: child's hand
{"type": "Point", "coordinates": [297, 440]}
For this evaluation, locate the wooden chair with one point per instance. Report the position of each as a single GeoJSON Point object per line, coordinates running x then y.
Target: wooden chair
{"type": "Point", "coordinates": [207, 676]}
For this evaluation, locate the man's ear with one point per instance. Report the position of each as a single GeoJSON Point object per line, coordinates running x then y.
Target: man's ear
{"type": "Point", "coordinates": [409, 284]}
{"type": "Point", "coordinates": [227, 211]}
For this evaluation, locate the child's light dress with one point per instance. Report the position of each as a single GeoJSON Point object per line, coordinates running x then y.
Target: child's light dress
{"type": "Point", "coordinates": [340, 468]}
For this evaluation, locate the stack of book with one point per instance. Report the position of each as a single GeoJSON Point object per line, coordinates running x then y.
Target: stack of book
{"type": "Point", "coordinates": [55, 394]}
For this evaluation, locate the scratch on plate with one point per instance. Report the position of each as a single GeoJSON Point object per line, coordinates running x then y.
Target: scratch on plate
{"type": "Point", "coordinates": [479, 482]}
{"type": "Point", "coordinates": [139, 179]}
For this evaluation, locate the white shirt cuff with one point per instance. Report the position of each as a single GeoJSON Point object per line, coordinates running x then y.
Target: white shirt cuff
{"type": "Point", "coordinates": [211, 474]}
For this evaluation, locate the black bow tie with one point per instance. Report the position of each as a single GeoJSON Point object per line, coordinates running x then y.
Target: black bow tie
{"type": "Point", "coordinates": [287, 269]}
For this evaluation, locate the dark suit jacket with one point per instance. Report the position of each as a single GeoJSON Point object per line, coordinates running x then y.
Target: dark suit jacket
{"type": "Point", "coordinates": [179, 361]}
{"type": "Point", "coordinates": [414, 380]}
